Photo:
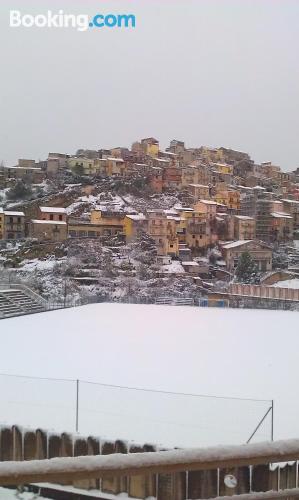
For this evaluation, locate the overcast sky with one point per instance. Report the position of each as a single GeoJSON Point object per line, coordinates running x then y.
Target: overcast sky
{"type": "Point", "coordinates": [209, 72]}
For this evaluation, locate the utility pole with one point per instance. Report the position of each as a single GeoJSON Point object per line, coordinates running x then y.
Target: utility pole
{"type": "Point", "coordinates": [65, 294]}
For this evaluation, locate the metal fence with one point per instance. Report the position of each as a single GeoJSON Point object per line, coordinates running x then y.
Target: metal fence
{"type": "Point", "coordinates": [137, 414]}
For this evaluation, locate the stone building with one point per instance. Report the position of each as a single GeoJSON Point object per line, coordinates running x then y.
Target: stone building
{"type": "Point", "coordinates": [259, 251]}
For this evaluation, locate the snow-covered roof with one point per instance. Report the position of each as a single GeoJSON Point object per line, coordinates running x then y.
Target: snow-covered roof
{"type": "Point", "coordinates": [56, 210]}
{"type": "Point", "coordinates": [281, 215]}
{"type": "Point", "coordinates": [175, 267]}
{"type": "Point", "coordinates": [208, 202]}
{"type": "Point", "coordinates": [12, 213]}
{"type": "Point", "coordinates": [136, 216]}
{"type": "Point", "coordinates": [236, 244]}
{"type": "Point", "coordinates": [190, 263]}
{"type": "Point", "coordinates": [244, 217]}
{"type": "Point", "coordinates": [169, 153]}
{"type": "Point", "coordinates": [290, 201]}
{"type": "Point", "coordinates": [54, 222]}
{"type": "Point", "coordinates": [16, 167]}
{"type": "Point", "coordinates": [163, 160]}
{"type": "Point", "coordinates": [199, 185]}
{"type": "Point", "coordinates": [118, 160]}
{"type": "Point", "coordinates": [184, 209]}
{"type": "Point", "coordinates": [170, 211]}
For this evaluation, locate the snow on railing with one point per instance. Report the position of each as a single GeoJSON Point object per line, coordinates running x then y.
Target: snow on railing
{"type": "Point", "coordinates": [116, 465]}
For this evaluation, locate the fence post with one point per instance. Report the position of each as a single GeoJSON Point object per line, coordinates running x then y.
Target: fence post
{"type": "Point", "coordinates": [272, 421]}
{"type": "Point", "coordinates": [77, 405]}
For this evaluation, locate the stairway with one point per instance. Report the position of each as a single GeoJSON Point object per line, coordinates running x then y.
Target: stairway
{"type": "Point", "coordinates": [175, 301]}
{"type": "Point", "coordinates": [15, 302]}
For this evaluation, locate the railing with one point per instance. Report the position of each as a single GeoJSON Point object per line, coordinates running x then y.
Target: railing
{"type": "Point", "coordinates": [25, 289]}
{"type": "Point", "coordinates": [229, 463]}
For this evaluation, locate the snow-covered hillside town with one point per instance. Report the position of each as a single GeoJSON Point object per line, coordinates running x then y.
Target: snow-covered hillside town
{"type": "Point", "coordinates": [142, 224]}
{"type": "Point", "coordinates": [109, 391]}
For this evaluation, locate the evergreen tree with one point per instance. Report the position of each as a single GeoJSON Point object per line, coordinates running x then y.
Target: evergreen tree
{"type": "Point", "coordinates": [78, 170]}
{"type": "Point", "coordinates": [246, 271]}
{"type": "Point", "coordinates": [19, 191]}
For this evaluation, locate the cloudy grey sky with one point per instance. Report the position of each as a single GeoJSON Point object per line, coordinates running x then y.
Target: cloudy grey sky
{"type": "Point", "coordinates": [210, 72]}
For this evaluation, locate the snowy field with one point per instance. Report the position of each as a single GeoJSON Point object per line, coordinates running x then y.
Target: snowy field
{"type": "Point", "coordinates": [235, 353]}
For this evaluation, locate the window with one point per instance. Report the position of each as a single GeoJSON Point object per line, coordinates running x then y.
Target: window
{"type": "Point", "coordinates": [60, 217]}
{"type": "Point", "coordinates": [19, 220]}
{"type": "Point", "coordinates": [51, 217]}
{"type": "Point", "coordinates": [11, 220]}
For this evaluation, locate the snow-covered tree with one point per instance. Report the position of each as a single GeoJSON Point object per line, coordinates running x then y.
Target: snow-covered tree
{"type": "Point", "coordinates": [246, 271]}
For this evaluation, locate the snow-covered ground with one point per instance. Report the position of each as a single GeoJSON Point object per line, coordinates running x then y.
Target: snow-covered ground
{"type": "Point", "coordinates": [237, 353]}
{"type": "Point", "coordinates": [7, 494]}
{"type": "Point", "coordinates": [294, 283]}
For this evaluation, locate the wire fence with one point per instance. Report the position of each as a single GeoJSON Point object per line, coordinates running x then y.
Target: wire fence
{"type": "Point", "coordinates": [136, 414]}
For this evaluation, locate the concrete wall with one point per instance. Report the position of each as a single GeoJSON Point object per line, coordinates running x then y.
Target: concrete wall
{"type": "Point", "coordinates": [264, 291]}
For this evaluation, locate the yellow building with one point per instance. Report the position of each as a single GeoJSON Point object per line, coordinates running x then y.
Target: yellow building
{"type": "Point", "coordinates": [150, 146]}
{"type": "Point", "coordinates": [229, 198]}
{"type": "Point", "coordinates": [101, 224]}
{"type": "Point", "coordinates": [180, 219]}
{"type": "Point", "coordinates": [134, 225]}
{"type": "Point", "coordinates": [224, 168]}
{"type": "Point", "coordinates": [212, 154]}
{"type": "Point", "coordinates": [199, 191]}
{"type": "Point", "coordinates": [116, 167]}
{"type": "Point", "coordinates": [111, 222]}
{"type": "Point", "coordinates": [101, 166]}
{"type": "Point", "coordinates": [111, 166]}
{"type": "Point", "coordinates": [197, 230]}
{"type": "Point", "coordinates": [162, 229]}
{"type": "Point", "coordinates": [86, 165]}
{"type": "Point", "coordinates": [208, 207]}
{"type": "Point", "coordinates": [84, 229]}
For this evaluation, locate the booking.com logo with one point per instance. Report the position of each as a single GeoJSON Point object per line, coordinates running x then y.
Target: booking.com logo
{"type": "Point", "coordinates": [81, 22]}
